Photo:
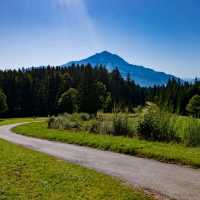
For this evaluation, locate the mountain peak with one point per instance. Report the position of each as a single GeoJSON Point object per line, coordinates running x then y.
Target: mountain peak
{"type": "Point", "coordinates": [105, 53]}
{"type": "Point", "coordinates": [107, 58]}
{"type": "Point", "coordinates": [141, 75]}
{"type": "Point", "coordinates": [108, 54]}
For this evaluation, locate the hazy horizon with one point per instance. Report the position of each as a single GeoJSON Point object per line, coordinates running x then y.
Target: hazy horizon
{"type": "Point", "coordinates": [158, 34]}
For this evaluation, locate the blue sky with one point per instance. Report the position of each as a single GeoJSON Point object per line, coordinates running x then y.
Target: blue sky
{"type": "Point", "coordinates": [161, 34]}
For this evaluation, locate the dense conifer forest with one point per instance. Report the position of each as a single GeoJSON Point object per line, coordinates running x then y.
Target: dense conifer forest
{"type": "Point", "coordinates": [50, 90]}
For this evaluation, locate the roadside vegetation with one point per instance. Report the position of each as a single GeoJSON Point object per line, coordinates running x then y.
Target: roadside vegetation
{"type": "Point", "coordinates": [148, 123]}
{"type": "Point", "coordinates": [102, 132]}
{"type": "Point", "coordinates": [25, 174]}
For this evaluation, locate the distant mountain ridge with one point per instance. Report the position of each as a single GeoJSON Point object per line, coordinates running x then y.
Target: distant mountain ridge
{"type": "Point", "coordinates": [192, 80]}
{"type": "Point", "coordinates": [140, 74]}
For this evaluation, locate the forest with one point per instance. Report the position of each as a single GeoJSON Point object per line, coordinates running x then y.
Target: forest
{"type": "Point", "coordinates": [51, 90]}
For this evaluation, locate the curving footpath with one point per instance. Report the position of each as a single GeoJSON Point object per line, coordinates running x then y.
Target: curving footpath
{"type": "Point", "coordinates": [169, 180]}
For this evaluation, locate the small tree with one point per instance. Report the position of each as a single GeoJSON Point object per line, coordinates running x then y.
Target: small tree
{"type": "Point", "coordinates": [107, 105]}
{"type": "Point", "coordinates": [100, 94]}
{"type": "Point", "coordinates": [3, 102]}
{"type": "Point", "coordinates": [103, 97]}
{"type": "Point", "coordinates": [69, 101]}
{"type": "Point", "coordinates": [193, 106]}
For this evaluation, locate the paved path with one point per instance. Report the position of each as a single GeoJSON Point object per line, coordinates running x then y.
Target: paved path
{"type": "Point", "coordinates": [174, 181]}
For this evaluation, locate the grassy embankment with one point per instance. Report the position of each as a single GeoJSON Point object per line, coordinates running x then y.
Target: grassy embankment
{"type": "Point", "coordinates": [166, 152]}
{"type": "Point", "coordinates": [25, 174]}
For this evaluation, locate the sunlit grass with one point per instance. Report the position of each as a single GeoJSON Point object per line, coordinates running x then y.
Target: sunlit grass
{"type": "Point", "coordinates": [25, 174]}
{"type": "Point", "coordinates": [6, 121]}
{"type": "Point", "coordinates": [166, 152]}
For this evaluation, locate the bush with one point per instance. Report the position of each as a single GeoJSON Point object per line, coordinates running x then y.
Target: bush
{"type": "Point", "coordinates": [92, 126]}
{"type": "Point", "coordinates": [117, 125]}
{"type": "Point", "coordinates": [51, 122]}
{"type": "Point", "coordinates": [99, 127]}
{"type": "Point", "coordinates": [157, 125]}
{"type": "Point", "coordinates": [120, 124]}
{"type": "Point", "coordinates": [66, 115]}
{"type": "Point", "coordinates": [69, 101]}
{"type": "Point", "coordinates": [69, 124]}
{"type": "Point", "coordinates": [79, 117]}
{"type": "Point", "coordinates": [62, 122]}
{"type": "Point", "coordinates": [84, 116]}
{"type": "Point", "coordinates": [106, 127]}
{"type": "Point", "coordinates": [68, 121]}
{"type": "Point", "coordinates": [192, 133]}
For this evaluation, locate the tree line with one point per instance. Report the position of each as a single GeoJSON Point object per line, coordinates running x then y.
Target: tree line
{"type": "Point", "coordinates": [81, 88]}
{"type": "Point", "coordinates": [177, 97]}
{"type": "Point", "coordinates": [49, 90]}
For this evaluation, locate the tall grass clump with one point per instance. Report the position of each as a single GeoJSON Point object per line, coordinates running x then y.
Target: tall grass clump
{"type": "Point", "coordinates": [51, 121]}
{"type": "Point", "coordinates": [192, 133]}
{"type": "Point", "coordinates": [65, 121]}
{"type": "Point", "coordinates": [92, 126]}
{"type": "Point", "coordinates": [157, 125]}
{"type": "Point", "coordinates": [99, 127]}
{"type": "Point", "coordinates": [115, 124]}
{"type": "Point", "coordinates": [120, 124]}
{"type": "Point", "coordinates": [81, 116]}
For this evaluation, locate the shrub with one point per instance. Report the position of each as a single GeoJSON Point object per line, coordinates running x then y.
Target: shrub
{"type": "Point", "coordinates": [157, 125]}
{"type": "Point", "coordinates": [120, 124]}
{"type": "Point", "coordinates": [62, 122]}
{"type": "Point", "coordinates": [93, 126]}
{"type": "Point", "coordinates": [99, 127]}
{"type": "Point", "coordinates": [132, 130]}
{"type": "Point", "coordinates": [106, 127]}
{"type": "Point", "coordinates": [51, 122]}
{"type": "Point", "coordinates": [192, 133]}
{"type": "Point", "coordinates": [84, 116]}
{"type": "Point", "coordinates": [80, 117]}
{"type": "Point", "coordinates": [148, 126]}
{"type": "Point", "coordinates": [117, 125]}
{"type": "Point", "coordinates": [166, 128]}
{"type": "Point", "coordinates": [66, 115]}
{"type": "Point", "coordinates": [69, 124]}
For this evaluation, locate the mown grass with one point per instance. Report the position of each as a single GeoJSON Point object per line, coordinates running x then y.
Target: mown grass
{"type": "Point", "coordinates": [25, 174]}
{"type": "Point", "coordinates": [166, 152]}
{"type": "Point", "coordinates": [6, 121]}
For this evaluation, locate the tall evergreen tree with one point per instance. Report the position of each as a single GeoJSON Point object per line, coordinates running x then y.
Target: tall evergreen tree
{"type": "Point", "coordinates": [3, 103]}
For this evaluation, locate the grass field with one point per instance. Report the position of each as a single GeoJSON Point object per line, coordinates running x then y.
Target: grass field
{"type": "Point", "coordinates": [19, 120]}
{"type": "Point", "coordinates": [166, 152]}
{"type": "Point", "coordinates": [25, 174]}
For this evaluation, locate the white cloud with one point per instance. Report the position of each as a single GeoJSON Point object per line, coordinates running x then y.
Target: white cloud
{"type": "Point", "coordinates": [76, 11]}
